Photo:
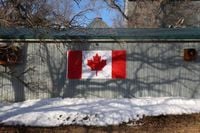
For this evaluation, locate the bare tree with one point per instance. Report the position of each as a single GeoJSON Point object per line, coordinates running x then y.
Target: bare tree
{"type": "Point", "coordinates": [39, 13]}
{"type": "Point", "coordinates": [157, 13]}
{"type": "Point", "coordinates": [34, 14]}
{"type": "Point", "coordinates": [118, 5]}
{"type": "Point", "coordinates": [24, 13]}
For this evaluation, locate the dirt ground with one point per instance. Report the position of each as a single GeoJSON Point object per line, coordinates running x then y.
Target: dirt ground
{"type": "Point", "coordinates": [158, 124]}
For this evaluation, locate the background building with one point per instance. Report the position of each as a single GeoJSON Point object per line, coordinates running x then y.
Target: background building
{"type": "Point", "coordinates": [162, 13]}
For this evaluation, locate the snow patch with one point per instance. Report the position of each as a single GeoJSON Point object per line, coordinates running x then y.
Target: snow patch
{"type": "Point", "coordinates": [97, 112]}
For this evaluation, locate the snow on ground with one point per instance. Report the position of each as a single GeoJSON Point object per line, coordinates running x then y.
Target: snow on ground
{"type": "Point", "coordinates": [98, 112]}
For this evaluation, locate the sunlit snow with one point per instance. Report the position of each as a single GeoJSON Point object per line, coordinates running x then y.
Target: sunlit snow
{"type": "Point", "coordinates": [98, 112]}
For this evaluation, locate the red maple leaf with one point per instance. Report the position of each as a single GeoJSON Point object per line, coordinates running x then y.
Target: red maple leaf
{"type": "Point", "coordinates": [96, 64]}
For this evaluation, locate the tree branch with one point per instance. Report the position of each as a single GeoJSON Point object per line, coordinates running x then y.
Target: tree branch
{"type": "Point", "coordinates": [78, 15]}
{"type": "Point", "coordinates": [114, 5]}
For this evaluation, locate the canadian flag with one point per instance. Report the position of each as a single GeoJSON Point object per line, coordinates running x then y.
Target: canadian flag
{"type": "Point", "coordinates": [96, 64]}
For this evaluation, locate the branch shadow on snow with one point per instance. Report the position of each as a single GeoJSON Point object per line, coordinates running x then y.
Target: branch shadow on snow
{"type": "Point", "coordinates": [83, 111]}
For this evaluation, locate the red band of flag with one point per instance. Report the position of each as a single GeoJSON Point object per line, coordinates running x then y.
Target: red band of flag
{"type": "Point", "coordinates": [119, 64]}
{"type": "Point", "coordinates": [74, 64]}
